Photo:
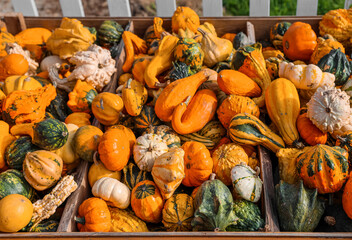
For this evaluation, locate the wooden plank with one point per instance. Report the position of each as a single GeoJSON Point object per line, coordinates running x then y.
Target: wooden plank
{"type": "Point", "coordinates": [26, 7]}
{"type": "Point", "coordinates": [14, 22]}
{"type": "Point", "coordinates": [165, 8]}
{"type": "Point", "coordinates": [259, 8]}
{"type": "Point", "coordinates": [271, 219]}
{"type": "Point", "coordinates": [72, 8]}
{"type": "Point", "coordinates": [212, 8]}
{"type": "Point", "coordinates": [177, 235]}
{"type": "Point", "coordinates": [307, 7]}
{"type": "Point", "coordinates": [348, 3]}
{"type": "Point", "coordinates": [119, 8]}
{"type": "Point", "coordinates": [251, 32]}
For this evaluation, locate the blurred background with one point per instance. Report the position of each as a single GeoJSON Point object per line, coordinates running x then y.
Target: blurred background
{"type": "Point", "coordinates": [147, 7]}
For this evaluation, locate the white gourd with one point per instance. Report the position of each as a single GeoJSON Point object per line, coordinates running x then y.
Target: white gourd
{"type": "Point", "coordinates": [306, 76]}
{"type": "Point", "coordinates": [146, 149]}
{"type": "Point", "coordinates": [114, 192]}
{"type": "Point", "coordinates": [329, 109]}
{"type": "Point", "coordinates": [246, 182]}
{"type": "Point", "coordinates": [347, 127]}
{"type": "Point", "coordinates": [48, 61]}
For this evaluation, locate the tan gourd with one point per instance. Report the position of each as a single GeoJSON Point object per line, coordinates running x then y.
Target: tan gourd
{"type": "Point", "coordinates": [215, 49]}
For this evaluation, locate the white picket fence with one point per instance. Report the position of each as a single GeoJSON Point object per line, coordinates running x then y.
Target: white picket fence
{"type": "Point", "coordinates": [165, 8]}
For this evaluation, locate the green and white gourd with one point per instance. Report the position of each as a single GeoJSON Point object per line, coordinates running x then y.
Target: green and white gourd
{"type": "Point", "coordinates": [147, 148]}
{"type": "Point", "coordinates": [246, 182]}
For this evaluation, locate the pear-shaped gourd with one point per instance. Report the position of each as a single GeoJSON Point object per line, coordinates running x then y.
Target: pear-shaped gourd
{"type": "Point", "coordinates": [215, 49]}
{"type": "Point", "coordinates": [246, 182]}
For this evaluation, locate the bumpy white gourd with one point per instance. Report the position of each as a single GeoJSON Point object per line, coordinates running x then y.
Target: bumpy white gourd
{"type": "Point", "coordinates": [246, 182]}
{"type": "Point", "coordinates": [306, 76]}
{"type": "Point", "coordinates": [329, 109]}
{"type": "Point", "coordinates": [147, 148]}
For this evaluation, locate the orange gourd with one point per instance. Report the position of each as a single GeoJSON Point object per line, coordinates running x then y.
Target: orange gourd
{"type": "Point", "coordinates": [13, 64]}
{"type": "Point", "coordinates": [192, 116]}
{"type": "Point", "coordinates": [147, 202]}
{"type": "Point", "coordinates": [308, 131]}
{"type": "Point", "coordinates": [347, 197]}
{"type": "Point", "coordinates": [235, 82]}
{"type": "Point", "coordinates": [229, 36]}
{"type": "Point", "coordinates": [185, 17]}
{"type": "Point", "coordinates": [80, 99]}
{"type": "Point", "coordinates": [27, 106]}
{"type": "Point", "coordinates": [139, 67]}
{"type": "Point", "coordinates": [114, 150]}
{"type": "Point", "coordinates": [299, 41]}
{"type": "Point", "coordinates": [78, 118]}
{"type": "Point", "coordinates": [93, 216]}
{"type": "Point", "coordinates": [129, 135]}
{"type": "Point", "coordinates": [177, 92]}
{"type": "Point", "coordinates": [234, 105]}
{"type": "Point", "coordinates": [198, 164]}
{"type": "Point", "coordinates": [133, 46]}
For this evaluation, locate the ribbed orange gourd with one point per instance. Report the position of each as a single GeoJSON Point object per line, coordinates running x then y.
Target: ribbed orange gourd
{"type": "Point", "coordinates": [161, 61]}
{"type": "Point", "coordinates": [282, 104]}
{"type": "Point", "coordinates": [192, 117]}
{"type": "Point", "coordinates": [198, 164]}
{"type": "Point", "coordinates": [347, 197]}
{"type": "Point", "coordinates": [177, 92]}
{"type": "Point", "coordinates": [114, 150]}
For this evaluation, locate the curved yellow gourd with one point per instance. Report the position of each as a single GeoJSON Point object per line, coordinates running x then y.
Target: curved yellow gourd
{"type": "Point", "coordinates": [282, 104]}
{"type": "Point", "coordinates": [162, 60]}
{"type": "Point", "coordinates": [134, 96]}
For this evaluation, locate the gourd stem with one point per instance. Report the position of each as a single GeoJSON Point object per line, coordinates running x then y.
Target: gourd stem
{"type": "Point", "coordinates": [331, 221]}
{"type": "Point", "coordinates": [128, 85]}
{"type": "Point", "coordinates": [212, 176]}
{"type": "Point", "coordinates": [298, 144]}
{"type": "Point", "coordinates": [217, 230]}
{"type": "Point", "coordinates": [80, 220]}
{"type": "Point", "coordinates": [202, 31]}
{"type": "Point", "coordinates": [188, 99]}
{"type": "Point", "coordinates": [162, 85]}
{"type": "Point", "coordinates": [95, 159]}
{"type": "Point", "coordinates": [257, 171]}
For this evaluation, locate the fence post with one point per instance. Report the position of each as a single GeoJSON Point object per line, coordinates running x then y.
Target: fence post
{"type": "Point", "coordinates": [26, 7]}
{"type": "Point", "coordinates": [307, 7]}
{"type": "Point", "coordinates": [72, 8]}
{"type": "Point", "coordinates": [259, 8]}
{"type": "Point", "coordinates": [119, 8]}
{"type": "Point", "coordinates": [212, 8]}
{"type": "Point", "coordinates": [165, 8]}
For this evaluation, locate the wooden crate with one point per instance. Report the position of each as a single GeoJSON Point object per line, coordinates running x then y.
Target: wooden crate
{"type": "Point", "coordinates": [138, 26]}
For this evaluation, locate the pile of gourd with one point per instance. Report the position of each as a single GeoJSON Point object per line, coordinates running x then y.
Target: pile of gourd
{"type": "Point", "coordinates": [190, 109]}
{"type": "Point", "coordinates": [48, 81]}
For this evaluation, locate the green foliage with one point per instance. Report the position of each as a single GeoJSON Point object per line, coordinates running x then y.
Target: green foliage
{"type": "Point", "coordinates": [278, 7]}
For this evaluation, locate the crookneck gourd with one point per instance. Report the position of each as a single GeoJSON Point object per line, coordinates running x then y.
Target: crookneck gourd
{"type": "Point", "coordinates": [162, 61]}
{"type": "Point", "coordinates": [177, 92]}
{"type": "Point", "coordinates": [248, 129]}
{"type": "Point", "coordinates": [192, 115]}
{"type": "Point", "coordinates": [134, 45]}
{"type": "Point", "coordinates": [250, 61]}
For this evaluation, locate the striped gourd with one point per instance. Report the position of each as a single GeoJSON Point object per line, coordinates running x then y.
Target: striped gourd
{"type": "Point", "coordinates": [146, 118]}
{"type": "Point", "coordinates": [323, 167]}
{"type": "Point", "coordinates": [282, 104]}
{"type": "Point", "coordinates": [109, 33]}
{"type": "Point", "coordinates": [169, 136]}
{"type": "Point", "coordinates": [178, 213]}
{"type": "Point", "coordinates": [17, 150]}
{"type": "Point", "coordinates": [132, 175]}
{"type": "Point", "coordinates": [248, 129]}
{"type": "Point", "coordinates": [213, 130]}
{"type": "Point", "coordinates": [50, 134]}
{"type": "Point", "coordinates": [210, 144]}
{"type": "Point", "coordinates": [126, 221]}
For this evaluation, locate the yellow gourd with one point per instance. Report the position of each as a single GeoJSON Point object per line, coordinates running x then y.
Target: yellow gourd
{"type": "Point", "coordinates": [98, 170]}
{"type": "Point", "coordinates": [282, 104]}
{"type": "Point", "coordinates": [18, 82]}
{"type": "Point", "coordinates": [134, 96]}
{"type": "Point", "coordinates": [5, 139]}
{"type": "Point", "coordinates": [106, 107]}
{"type": "Point", "coordinates": [161, 62]}
{"type": "Point", "coordinates": [16, 212]}
{"type": "Point", "coordinates": [215, 49]}
{"type": "Point", "coordinates": [67, 152]}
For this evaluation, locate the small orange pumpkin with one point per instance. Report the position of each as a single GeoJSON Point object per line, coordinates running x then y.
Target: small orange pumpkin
{"type": "Point", "coordinates": [114, 150]}
{"type": "Point", "coordinates": [93, 216]}
{"type": "Point", "coordinates": [198, 164]}
{"type": "Point", "coordinates": [299, 41]}
{"type": "Point", "coordinates": [347, 197]}
{"type": "Point", "coordinates": [13, 64]}
{"type": "Point", "coordinates": [147, 202]}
